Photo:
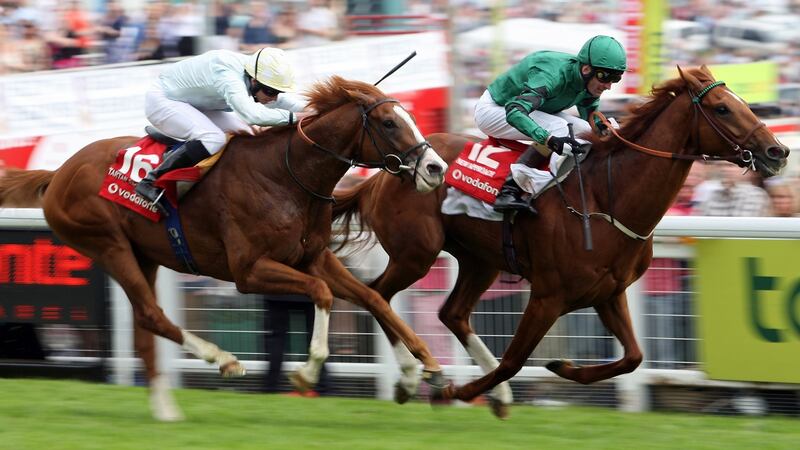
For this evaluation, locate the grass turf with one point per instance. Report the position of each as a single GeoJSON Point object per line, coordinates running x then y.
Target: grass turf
{"type": "Point", "coordinates": [56, 415]}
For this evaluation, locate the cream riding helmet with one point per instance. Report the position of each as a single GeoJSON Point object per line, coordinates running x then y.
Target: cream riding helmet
{"type": "Point", "coordinates": [271, 68]}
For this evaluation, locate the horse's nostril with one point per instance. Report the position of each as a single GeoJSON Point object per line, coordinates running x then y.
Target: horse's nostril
{"type": "Point", "coordinates": [777, 152]}
{"type": "Point", "coordinates": [434, 169]}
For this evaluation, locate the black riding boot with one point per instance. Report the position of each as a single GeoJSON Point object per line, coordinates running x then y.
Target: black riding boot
{"type": "Point", "coordinates": [510, 196]}
{"type": "Point", "coordinates": [187, 155]}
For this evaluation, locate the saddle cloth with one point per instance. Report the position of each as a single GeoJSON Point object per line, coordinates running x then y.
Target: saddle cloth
{"type": "Point", "coordinates": [482, 167]}
{"type": "Point", "coordinates": [475, 177]}
{"type": "Point", "coordinates": [132, 164]}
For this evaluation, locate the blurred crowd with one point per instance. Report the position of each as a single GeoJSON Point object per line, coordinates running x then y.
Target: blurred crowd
{"type": "Point", "coordinates": [46, 34]}
{"type": "Point", "coordinates": [51, 34]}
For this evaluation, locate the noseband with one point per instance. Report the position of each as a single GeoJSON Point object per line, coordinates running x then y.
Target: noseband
{"type": "Point", "coordinates": [395, 162]}
{"type": "Point", "coordinates": [743, 155]}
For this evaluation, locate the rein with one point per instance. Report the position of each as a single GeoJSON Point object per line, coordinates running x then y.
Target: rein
{"type": "Point", "coordinates": [394, 163]}
{"type": "Point", "coordinates": [742, 154]}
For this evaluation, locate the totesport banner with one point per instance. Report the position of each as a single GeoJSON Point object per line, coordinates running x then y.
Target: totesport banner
{"type": "Point", "coordinates": [45, 117]}
{"type": "Point", "coordinates": [749, 306]}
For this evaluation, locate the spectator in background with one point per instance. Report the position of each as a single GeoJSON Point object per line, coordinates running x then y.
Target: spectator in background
{"type": "Point", "coordinates": [10, 56]}
{"type": "Point", "coordinates": [277, 321]}
{"type": "Point", "coordinates": [783, 193]}
{"type": "Point", "coordinates": [190, 21]}
{"type": "Point", "coordinates": [33, 48]}
{"type": "Point", "coordinates": [110, 31]}
{"type": "Point", "coordinates": [318, 25]}
{"type": "Point", "coordinates": [149, 44]}
{"type": "Point", "coordinates": [222, 11]}
{"type": "Point", "coordinates": [258, 31]}
{"type": "Point", "coordinates": [71, 37]}
{"type": "Point", "coordinates": [732, 195]}
{"type": "Point", "coordinates": [285, 27]}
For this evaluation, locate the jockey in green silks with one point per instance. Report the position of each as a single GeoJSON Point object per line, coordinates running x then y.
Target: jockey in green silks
{"type": "Point", "coordinates": [527, 103]}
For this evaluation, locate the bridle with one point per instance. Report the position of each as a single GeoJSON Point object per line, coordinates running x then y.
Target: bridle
{"type": "Point", "coordinates": [743, 156]}
{"type": "Point", "coordinates": [394, 162]}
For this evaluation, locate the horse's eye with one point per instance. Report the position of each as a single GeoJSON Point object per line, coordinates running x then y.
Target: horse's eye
{"type": "Point", "coordinates": [388, 123]}
{"type": "Point", "coordinates": [722, 110]}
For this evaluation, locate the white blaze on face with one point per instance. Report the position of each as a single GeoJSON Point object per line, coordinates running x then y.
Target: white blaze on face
{"type": "Point", "coordinates": [739, 99]}
{"type": "Point", "coordinates": [425, 181]}
{"type": "Point", "coordinates": [410, 122]}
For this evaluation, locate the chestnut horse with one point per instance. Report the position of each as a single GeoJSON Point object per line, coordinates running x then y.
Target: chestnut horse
{"type": "Point", "coordinates": [687, 118]}
{"type": "Point", "coordinates": [261, 218]}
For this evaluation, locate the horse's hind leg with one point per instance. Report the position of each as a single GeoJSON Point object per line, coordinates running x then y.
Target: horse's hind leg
{"type": "Point", "coordinates": [615, 316]}
{"type": "Point", "coordinates": [474, 278]}
{"type": "Point", "coordinates": [119, 262]}
{"type": "Point", "coordinates": [162, 404]}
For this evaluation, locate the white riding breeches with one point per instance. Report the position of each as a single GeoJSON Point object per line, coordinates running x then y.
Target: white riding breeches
{"type": "Point", "coordinates": [183, 121]}
{"type": "Point", "coordinates": [491, 120]}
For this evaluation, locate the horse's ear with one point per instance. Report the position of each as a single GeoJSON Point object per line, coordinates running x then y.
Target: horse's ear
{"type": "Point", "coordinates": [691, 81]}
{"type": "Point", "coordinates": [707, 71]}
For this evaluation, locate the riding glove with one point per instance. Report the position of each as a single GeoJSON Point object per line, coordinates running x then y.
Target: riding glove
{"type": "Point", "coordinates": [556, 143]}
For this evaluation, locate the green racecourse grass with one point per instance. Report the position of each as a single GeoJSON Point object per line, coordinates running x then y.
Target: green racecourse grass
{"type": "Point", "coordinates": [56, 415]}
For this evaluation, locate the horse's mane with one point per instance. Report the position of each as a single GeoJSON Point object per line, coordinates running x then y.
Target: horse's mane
{"type": "Point", "coordinates": [640, 117]}
{"type": "Point", "coordinates": [327, 95]}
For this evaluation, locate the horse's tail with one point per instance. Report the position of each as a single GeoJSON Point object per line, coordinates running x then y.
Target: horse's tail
{"type": "Point", "coordinates": [24, 188]}
{"type": "Point", "coordinates": [348, 206]}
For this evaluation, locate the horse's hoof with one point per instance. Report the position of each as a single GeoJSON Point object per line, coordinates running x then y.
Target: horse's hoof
{"type": "Point", "coordinates": [300, 384]}
{"type": "Point", "coordinates": [401, 395]}
{"type": "Point", "coordinates": [233, 369]}
{"type": "Point", "coordinates": [443, 395]}
{"type": "Point", "coordinates": [558, 364]}
{"type": "Point", "coordinates": [499, 409]}
{"type": "Point", "coordinates": [434, 378]}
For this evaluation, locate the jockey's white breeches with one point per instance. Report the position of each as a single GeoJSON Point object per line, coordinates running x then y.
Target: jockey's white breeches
{"type": "Point", "coordinates": [183, 121]}
{"type": "Point", "coordinates": [491, 120]}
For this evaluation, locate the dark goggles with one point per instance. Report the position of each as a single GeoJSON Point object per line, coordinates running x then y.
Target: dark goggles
{"type": "Point", "coordinates": [270, 92]}
{"type": "Point", "coordinates": [607, 76]}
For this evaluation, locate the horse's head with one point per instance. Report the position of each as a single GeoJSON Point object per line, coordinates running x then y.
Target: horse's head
{"type": "Point", "coordinates": [389, 139]}
{"type": "Point", "coordinates": [727, 128]}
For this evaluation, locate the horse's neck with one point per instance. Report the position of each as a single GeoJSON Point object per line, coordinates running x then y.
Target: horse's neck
{"type": "Point", "coordinates": [321, 169]}
{"type": "Point", "coordinates": [645, 186]}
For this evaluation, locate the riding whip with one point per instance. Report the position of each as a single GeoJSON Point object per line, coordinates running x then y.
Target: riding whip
{"type": "Point", "coordinates": [587, 228]}
{"type": "Point", "coordinates": [402, 63]}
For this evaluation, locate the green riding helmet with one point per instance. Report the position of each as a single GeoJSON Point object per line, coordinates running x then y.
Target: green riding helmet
{"type": "Point", "coordinates": [603, 52]}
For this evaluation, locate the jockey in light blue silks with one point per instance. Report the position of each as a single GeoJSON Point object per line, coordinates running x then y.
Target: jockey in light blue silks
{"type": "Point", "coordinates": [199, 99]}
{"type": "Point", "coordinates": [526, 103]}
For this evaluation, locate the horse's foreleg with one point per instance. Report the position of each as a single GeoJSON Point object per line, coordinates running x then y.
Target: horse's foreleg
{"type": "Point", "coordinates": [344, 285]}
{"type": "Point", "coordinates": [269, 276]}
{"type": "Point", "coordinates": [539, 316]}
{"type": "Point", "coordinates": [615, 316]}
{"type": "Point", "coordinates": [398, 276]}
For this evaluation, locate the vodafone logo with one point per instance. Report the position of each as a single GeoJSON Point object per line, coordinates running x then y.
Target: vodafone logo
{"type": "Point", "coordinates": [114, 189]}
{"type": "Point", "coordinates": [486, 187]}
